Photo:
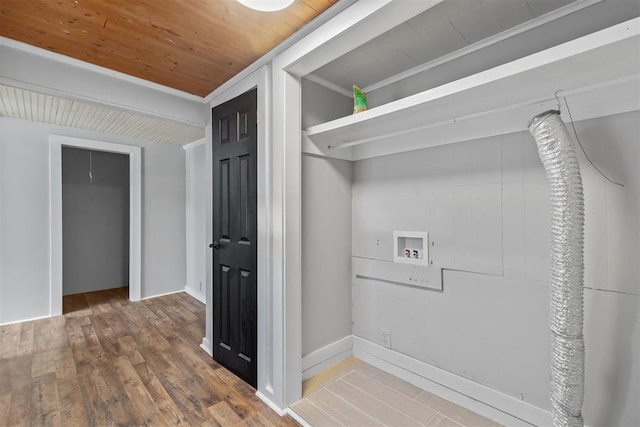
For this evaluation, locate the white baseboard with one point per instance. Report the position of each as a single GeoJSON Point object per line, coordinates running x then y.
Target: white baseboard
{"type": "Point", "coordinates": [206, 346]}
{"type": "Point", "coordinates": [30, 319]}
{"type": "Point", "coordinates": [298, 418]}
{"type": "Point", "coordinates": [270, 404]}
{"type": "Point", "coordinates": [148, 297]}
{"type": "Point", "coordinates": [196, 294]}
{"type": "Point", "coordinates": [327, 356]}
{"type": "Point", "coordinates": [164, 294]}
{"type": "Point", "coordinates": [469, 394]}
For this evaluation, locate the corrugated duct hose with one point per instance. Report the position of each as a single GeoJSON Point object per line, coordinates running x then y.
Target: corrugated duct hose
{"type": "Point", "coordinates": [566, 310]}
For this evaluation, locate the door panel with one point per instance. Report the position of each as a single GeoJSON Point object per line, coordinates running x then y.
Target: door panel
{"type": "Point", "coordinates": [245, 213]}
{"type": "Point", "coordinates": [245, 350]}
{"type": "Point", "coordinates": [225, 319]}
{"type": "Point", "coordinates": [225, 202]}
{"type": "Point", "coordinates": [235, 234]}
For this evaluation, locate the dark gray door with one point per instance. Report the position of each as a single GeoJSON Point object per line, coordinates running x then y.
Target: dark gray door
{"type": "Point", "coordinates": [235, 235]}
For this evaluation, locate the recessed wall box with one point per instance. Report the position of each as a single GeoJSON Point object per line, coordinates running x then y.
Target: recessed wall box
{"type": "Point", "coordinates": [411, 247]}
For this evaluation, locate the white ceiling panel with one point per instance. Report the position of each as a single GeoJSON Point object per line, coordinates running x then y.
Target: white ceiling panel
{"type": "Point", "coordinates": [387, 63]}
{"type": "Point", "coordinates": [540, 7]}
{"type": "Point", "coordinates": [492, 18]}
{"type": "Point", "coordinates": [389, 40]}
{"type": "Point", "coordinates": [346, 68]}
{"type": "Point", "coordinates": [441, 13]}
{"type": "Point", "coordinates": [439, 41]}
{"type": "Point", "coordinates": [28, 105]}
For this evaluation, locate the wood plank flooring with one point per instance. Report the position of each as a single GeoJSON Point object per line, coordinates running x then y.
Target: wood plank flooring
{"type": "Point", "coordinates": [354, 393]}
{"type": "Point", "coordinates": [108, 361]}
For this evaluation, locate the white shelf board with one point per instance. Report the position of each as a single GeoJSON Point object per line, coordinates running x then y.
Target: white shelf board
{"type": "Point", "coordinates": [598, 73]}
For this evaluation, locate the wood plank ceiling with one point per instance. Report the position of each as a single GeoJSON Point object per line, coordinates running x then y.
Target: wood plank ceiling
{"type": "Point", "coordinates": [190, 45]}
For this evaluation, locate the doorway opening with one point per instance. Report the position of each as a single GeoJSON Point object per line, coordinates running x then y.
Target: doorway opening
{"type": "Point", "coordinates": [95, 222]}
{"type": "Point", "coordinates": [134, 167]}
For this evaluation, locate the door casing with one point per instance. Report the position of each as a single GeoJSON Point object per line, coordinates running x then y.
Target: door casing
{"type": "Point", "coordinates": [56, 142]}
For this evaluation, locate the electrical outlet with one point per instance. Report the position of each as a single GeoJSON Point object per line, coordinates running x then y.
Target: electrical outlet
{"type": "Point", "coordinates": [385, 337]}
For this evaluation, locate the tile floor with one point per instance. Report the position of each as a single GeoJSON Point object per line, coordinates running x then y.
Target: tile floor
{"type": "Point", "coordinates": [354, 393]}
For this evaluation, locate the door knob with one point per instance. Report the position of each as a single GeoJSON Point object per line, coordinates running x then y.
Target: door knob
{"type": "Point", "coordinates": [215, 245]}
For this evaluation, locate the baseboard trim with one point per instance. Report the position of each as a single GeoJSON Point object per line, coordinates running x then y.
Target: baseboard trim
{"type": "Point", "coordinates": [31, 319]}
{"type": "Point", "coordinates": [298, 418]}
{"type": "Point", "coordinates": [327, 356]}
{"type": "Point", "coordinates": [164, 294]}
{"type": "Point", "coordinates": [196, 294]}
{"type": "Point", "coordinates": [469, 394]}
{"type": "Point", "coordinates": [189, 291]}
{"type": "Point", "coordinates": [206, 346]}
{"type": "Point", "coordinates": [270, 404]}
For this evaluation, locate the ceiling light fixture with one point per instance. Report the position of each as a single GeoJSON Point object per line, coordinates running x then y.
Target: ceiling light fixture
{"type": "Point", "coordinates": [266, 5]}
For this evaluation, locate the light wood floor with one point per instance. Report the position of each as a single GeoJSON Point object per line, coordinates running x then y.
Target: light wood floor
{"type": "Point", "coordinates": [108, 361]}
{"type": "Point", "coordinates": [354, 393]}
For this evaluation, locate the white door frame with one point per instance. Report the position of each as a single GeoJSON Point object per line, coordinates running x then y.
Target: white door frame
{"type": "Point", "coordinates": [56, 142]}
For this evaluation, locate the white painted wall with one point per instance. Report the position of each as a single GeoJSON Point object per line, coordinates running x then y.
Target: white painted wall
{"type": "Point", "coordinates": [320, 105]}
{"type": "Point", "coordinates": [326, 252]}
{"type": "Point", "coordinates": [485, 205]}
{"type": "Point", "coordinates": [326, 230]}
{"type": "Point", "coordinates": [196, 194]}
{"type": "Point", "coordinates": [24, 216]}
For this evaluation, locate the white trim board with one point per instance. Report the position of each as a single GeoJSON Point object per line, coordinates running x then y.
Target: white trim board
{"type": "Point", "coordinates": [466, 393]}
{"type": "Point", "coordinates": [195, 222]}
{"type": "Point", "coordinates": [271, 405]}
{"type": "Point", "coordinates": [600, 100]}
{"type": "Point", "coordinates": [197, 295]}
{"type": "Point", "coordinates": [56, 142]}
{"type": "Point", "coordinates": [417, 276]}
{"type": "Point", "coordinates": [298, 418]}
{"type": "Point", "coordinates": [193, 144]}
{"type": "Point", "coordinates": [206, 346]}
{"type": "Point", "coordinates": [13, 322]}
{"type": "Point", "coordinates": [327, 356]}
{"type": "Point", "coordinates": [164, 294]}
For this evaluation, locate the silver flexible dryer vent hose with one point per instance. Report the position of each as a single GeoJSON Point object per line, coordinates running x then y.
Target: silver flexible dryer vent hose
{"type": "Point", "coordinates": [560, 162]}
{"type": "Point", "coordinates": [566, 310]}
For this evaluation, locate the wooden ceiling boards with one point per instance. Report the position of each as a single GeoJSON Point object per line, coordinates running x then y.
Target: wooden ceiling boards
{"type": "Point", "coordinates": [190, 45]}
